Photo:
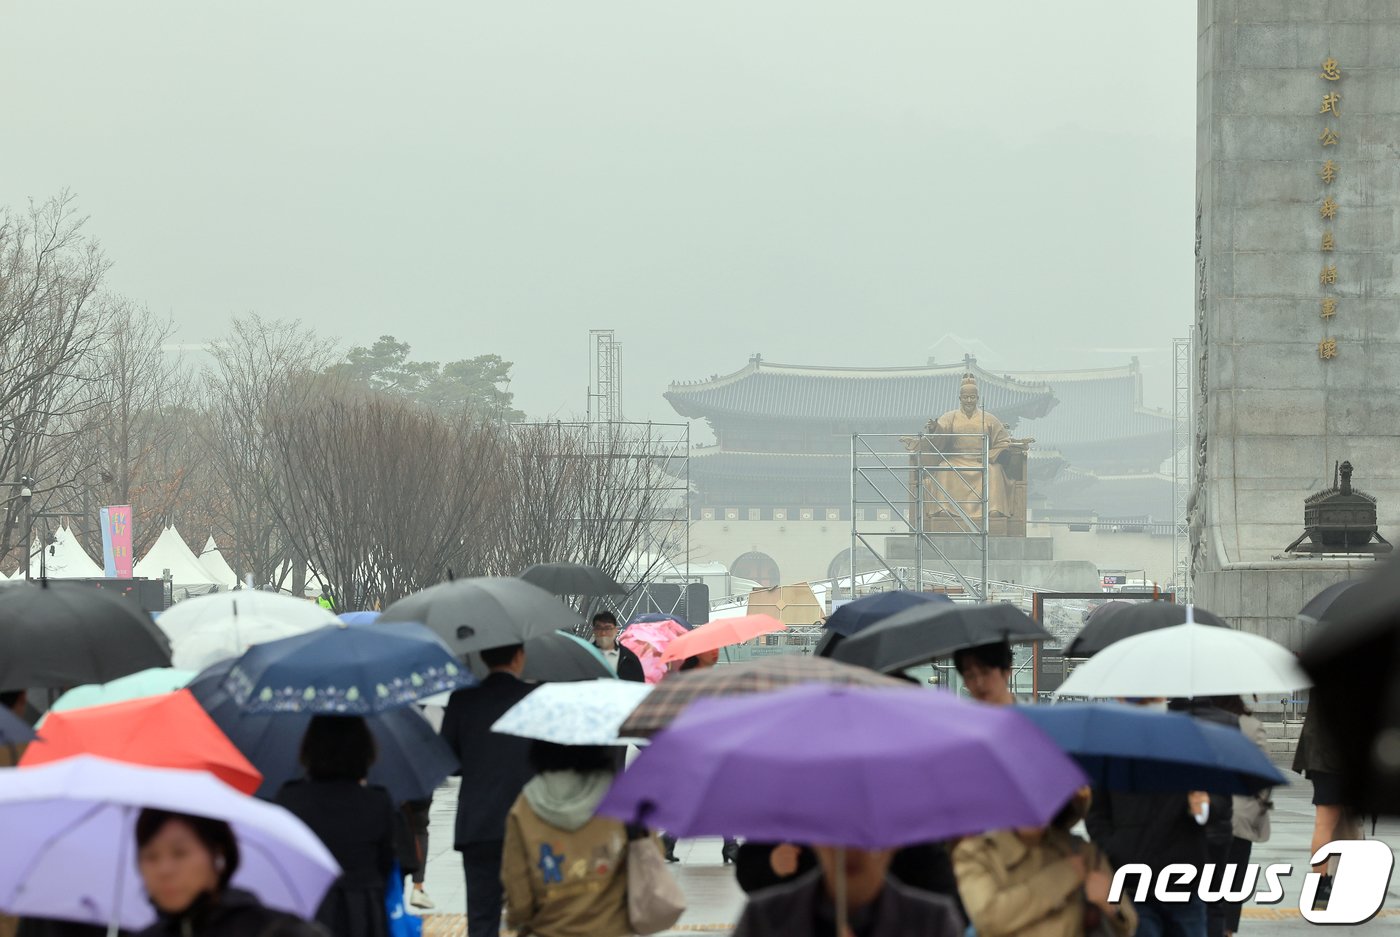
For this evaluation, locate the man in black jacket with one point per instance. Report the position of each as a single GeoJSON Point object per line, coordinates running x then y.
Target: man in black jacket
{"type": "Point", "coordinates": [1155, 830]}
{"type": "Point", "coordinates": [494, 769]}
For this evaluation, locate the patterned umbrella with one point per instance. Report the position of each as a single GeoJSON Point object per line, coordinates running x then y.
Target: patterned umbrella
{"type": "Point", "coordinates": [581, 713]}
{"type": "Point", "coordinates": [648, 640]}
{"type": "Point", "coordinates": [679, 690]}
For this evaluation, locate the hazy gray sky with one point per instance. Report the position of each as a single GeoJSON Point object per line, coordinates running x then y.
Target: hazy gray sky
{"type": "Point", "coordinates": [824, 183]}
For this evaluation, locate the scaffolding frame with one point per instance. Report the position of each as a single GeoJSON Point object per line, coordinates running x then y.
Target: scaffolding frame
{"type": "Point", "coordinates": [1182, 437]}
{"type": "Point", "coordinates": [879, 470]}
{"type": "Point", "coordinates": [664, 445]}
{"type": "Point", "coordinates": [604, 377]}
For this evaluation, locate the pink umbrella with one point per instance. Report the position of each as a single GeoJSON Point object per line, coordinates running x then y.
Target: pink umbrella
{"type": "Point", "coordinates": [721, 633]}
{"type": "Point", "coordinates": [648, 640]}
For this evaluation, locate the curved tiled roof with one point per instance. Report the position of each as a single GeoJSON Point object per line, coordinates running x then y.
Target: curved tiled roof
{"type": "Point", "coordinates": [908, 395]}
{"type": "Point", "coordinates": [1097, 406]}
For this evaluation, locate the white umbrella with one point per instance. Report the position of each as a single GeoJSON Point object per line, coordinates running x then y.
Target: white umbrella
{"type": "Point", "coordinates": [211, 628]}
{"type": "Point", "coordinates": [583, 712]}
{"type": "Point", "coordinates": [1188, 660]}
{"type": "Point", "coordinates": [70, 849]}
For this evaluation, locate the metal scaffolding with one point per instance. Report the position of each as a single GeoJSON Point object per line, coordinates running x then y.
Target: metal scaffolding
{"type": "Point", "coordinates": [604, 377]}
{"type": "Point", "coordinates": [1182, 437]}
{"type": "Point", "coordinates": [890, 489]}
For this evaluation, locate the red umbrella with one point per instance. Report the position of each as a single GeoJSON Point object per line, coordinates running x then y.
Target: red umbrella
{"type": "Point", "coordinates": [167, 731]}
{"type": "Point", "coordinates": [720, 633]}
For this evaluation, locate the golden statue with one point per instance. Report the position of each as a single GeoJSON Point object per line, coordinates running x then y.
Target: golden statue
{"type": "Point", "coordinates": [950, 452]}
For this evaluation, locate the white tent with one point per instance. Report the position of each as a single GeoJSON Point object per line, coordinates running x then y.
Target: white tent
{"type": "Point", "coordinates": [65, 558]}
{"type": "Point", "coordinates": [187, 574]}
{"type": "Point", "coordinates": [218, 567]}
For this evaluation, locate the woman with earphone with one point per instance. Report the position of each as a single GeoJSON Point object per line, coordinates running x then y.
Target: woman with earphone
{"type": "Point", "coordinates": [186, 864]}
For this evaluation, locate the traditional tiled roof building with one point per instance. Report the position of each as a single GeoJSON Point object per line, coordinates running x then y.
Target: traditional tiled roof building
{"type": "Point", "coordinates": [783, 434]}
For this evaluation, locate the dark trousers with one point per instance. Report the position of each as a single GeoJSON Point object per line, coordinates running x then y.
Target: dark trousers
{"type": "Point", "coordinates": [485, 894]}
{"type": "Point", "coordinates": [1160, 919]}
{"type": "Point", "coordinates": [1239, 856]}
{"type": "Point", "coordinates": [1217, 854]}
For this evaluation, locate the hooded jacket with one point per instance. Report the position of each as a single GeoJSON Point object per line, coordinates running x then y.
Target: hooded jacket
{"type": "Point", "coordinates": [1011, 888]}
{"type": "Point", "coordinates": [564, 869]}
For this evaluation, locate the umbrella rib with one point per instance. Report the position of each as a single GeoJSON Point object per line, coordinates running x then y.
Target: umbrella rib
{"type": "Point", "coordinates": [53, 840]}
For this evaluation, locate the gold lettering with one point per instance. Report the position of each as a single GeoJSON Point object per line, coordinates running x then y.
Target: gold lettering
{"type": "Point", "coordinates": [1328, 209]}
{"type": "Point", "coordinates": [1331, 70]}
{"type": "Point", "coordinates": [1329, 138]}
{"type": "Point", "coordinates": [1327, 349]}
{"type": "Point", "coordinates": [1331, 104]}
{"type": "Point", "coordinates": [1327, 242]}
{"type": "Point", "coordinates": [1328, 276]}
{"type": "Point", "coordinates": [1329, 172]}
{"type": "Point", "coordinates": [1329, 307]}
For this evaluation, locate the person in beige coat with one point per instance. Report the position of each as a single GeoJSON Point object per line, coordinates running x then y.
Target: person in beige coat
{"type": "Point", "coordinates": [565, 869]}
{"type": "Point", "coordinates": [1040, 882]}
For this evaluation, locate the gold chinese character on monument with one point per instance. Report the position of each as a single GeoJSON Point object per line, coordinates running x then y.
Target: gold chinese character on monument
{"type": "Point", "coordinates": [1328, 138]}
{"type": "Point", "coordinates": [1329, 172]}
{"type": "Point", "coordinates": [1331, 102]}
{"type": "Point", "coordinates": [1329, 307]}
{"type": "Point", "coordinates": [1331, 70]}
{"type": "Point", "coordinates": [1327, 348]}
{"type": "Point", "coordinates": [1328, 276]}
{"type": "Point", "coordinates": [1327, 242]}
{"type": "Point", "coordinates": [1328, 209]}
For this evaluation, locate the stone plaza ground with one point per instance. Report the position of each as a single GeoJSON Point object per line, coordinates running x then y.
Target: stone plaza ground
{"type": "Point", "coordinates": [715, 900]}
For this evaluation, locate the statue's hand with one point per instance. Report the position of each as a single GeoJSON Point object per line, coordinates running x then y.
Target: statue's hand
{"type": "Point", "coordinates": [911, 443]}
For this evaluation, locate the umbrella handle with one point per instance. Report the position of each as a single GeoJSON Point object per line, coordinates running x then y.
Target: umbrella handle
{"type": "Point", "coordinates": [114, 925]}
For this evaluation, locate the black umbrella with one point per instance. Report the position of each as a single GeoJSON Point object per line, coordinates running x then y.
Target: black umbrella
{"type": "Point", "coordinates": [1118, 620]}
{"type": "Point", "coordinates": [935, 629]}
{"type": "Point", "coordinates": [478, 614]}
{"type": "Point", "coordinates": [559, 657]}
{"type": "Point", "coordinates": [827, 644]}
{"type": "Point", "coordinates": [61, 634]}
{"type": "Point", "coordinates": [572, 579]}
{"type": "Point", "coordinates": [1354, 660]}
{"type": "Point", "coordinates": [1319, 604]}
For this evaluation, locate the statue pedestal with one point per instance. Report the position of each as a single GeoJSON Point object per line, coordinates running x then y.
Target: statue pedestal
{"type": "Point", "coordinates": [996, 526]}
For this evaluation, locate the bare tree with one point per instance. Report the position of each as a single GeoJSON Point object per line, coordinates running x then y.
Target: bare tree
{"type": "Point", "coordinates": [50, 324]}
{"type": "Point", "coordinates": [590, 493]}
{"type": "Point", "coordinates": [384, 496]}
{"type": "Point", "coordinates": [259, 367]}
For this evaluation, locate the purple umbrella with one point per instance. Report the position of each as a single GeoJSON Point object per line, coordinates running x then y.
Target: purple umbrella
{"type": "Point", "coordinates": [868, 768]}
{"type": "Point", "coordinates": [70, 849]}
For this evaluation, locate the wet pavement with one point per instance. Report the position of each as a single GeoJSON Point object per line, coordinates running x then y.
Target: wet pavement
{"type": "Point", "coordinates": [715, 900]}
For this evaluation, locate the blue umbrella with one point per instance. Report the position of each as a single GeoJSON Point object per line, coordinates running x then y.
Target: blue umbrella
{"type": "Point", "coordinates": [13, 729]}
{"type": "Point", "coordinates": [1126, 748]}
{"type": "Point", "coordinates": [347, 671]}
{"type": "Point", "coordinates": [412, 759]}
{"type": "Point", "coordinates": [867, 610]}
{"type": "Point", "coordinates": [359, 618]}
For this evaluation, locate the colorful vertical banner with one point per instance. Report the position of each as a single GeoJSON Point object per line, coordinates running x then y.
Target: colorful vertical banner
{"type": "Point", "coordinates": [116, 541]}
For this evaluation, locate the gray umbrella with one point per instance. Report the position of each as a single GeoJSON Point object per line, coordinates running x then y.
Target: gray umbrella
{"type": "Point", "coordinates": [60, 634]}
{"type": "Point", "coordinates": [478, 614]}
{"type": "Point", "coordinates": [572, 579]}
{"type": "Point", "coordinates": [931, 630]}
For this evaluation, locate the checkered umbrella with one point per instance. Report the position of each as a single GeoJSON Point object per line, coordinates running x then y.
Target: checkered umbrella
{"type": "Point", "coordinates": [679, 690]}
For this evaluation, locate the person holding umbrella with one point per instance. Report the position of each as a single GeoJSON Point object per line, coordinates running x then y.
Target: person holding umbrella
{"type": "Point", "coordinates": [495, 767]}
{"type": "Point", "coordinates": [1041, 881]}
{"type": "Point", "coordinates": [605, 637]}
{"type": "Point", "coordinates": [186, 864]}
{"type": "Point", "coordinates": [357, 822]}
{"type": "Point", "coordinates": [565, 868]}
{"type": "Point", "coordinates": [876, 905]}
{"type": "Point", "coordinates": [986, 672]}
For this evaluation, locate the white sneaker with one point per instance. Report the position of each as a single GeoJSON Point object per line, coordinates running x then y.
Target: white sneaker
{"type": "Point", "coordinates": [420, 899]}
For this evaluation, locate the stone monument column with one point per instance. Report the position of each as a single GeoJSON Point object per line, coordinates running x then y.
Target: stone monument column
{"type": "Point", "coordinates": [1297, 298]}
